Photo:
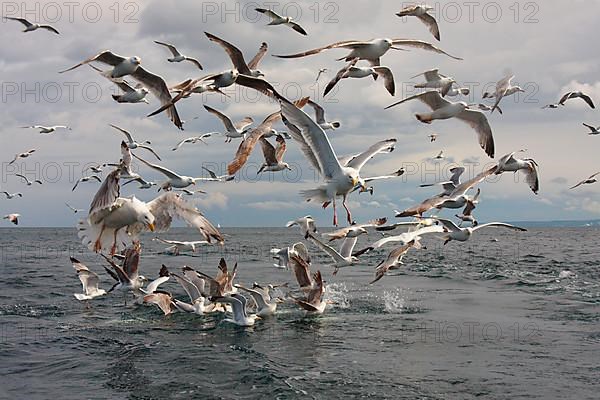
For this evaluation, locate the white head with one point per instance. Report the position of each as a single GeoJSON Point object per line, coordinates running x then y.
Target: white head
{"type": "Point", "coordinates": [256, 73]}
{"type": "Point", "coordinates": [147, 218]}
{"type": "Point", "coordinates": [135, 60]}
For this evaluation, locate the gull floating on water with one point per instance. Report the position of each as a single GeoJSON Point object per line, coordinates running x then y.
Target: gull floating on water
{"type": "Point", "coordinates": [47, 129]}
{"type": "Point", "coordinates": [588, 181]}
{"type": "Point", "coordinates": [89, 281]}
{"type": "Point", "coordinates": [27, 181]}
{"type": "Point", "coordinates": [320, 117]}
{"type": "Point", "coordinates": [352, 71]}
{"type": "Point", "coordinates": [593, 130]}
{"type": "Point", "coordinates": [464, 234]}
{"type": "Point", "coordinates": [528, 166]}
{"type": "Point", "coordinates": [14, 218]}
{"type": "Point", "coordinates": [575, 95]}
{"type": "Point", "coordinates": [237, 57]}
{"type": "Point", "coordinates": [238, 307]}
{"type": "Point", "coordinates": [123, 66]}
{"type": "Point", "coordinates": [22, 155]}
{"type": "Point", "coordinates": [421, 12]}
{"type": "Point", "coordinates": [277, 19]}
{"type": "Point", "coordinates": [177, 56]}
{"type": "Point", "coordinates": [444, 109]}
{"type": "Point", "coordinates": [132, 144]}
{"type": "Point", "coordinates": [30, 27]}
{"type": "Point", "coordinates": [504, 88]}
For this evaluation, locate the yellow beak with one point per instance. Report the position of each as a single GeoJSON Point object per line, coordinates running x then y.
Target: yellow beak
{"type": "Point", "coordinates": [151, 227]}
{"type": "Point", "coordinates": [354, 181]}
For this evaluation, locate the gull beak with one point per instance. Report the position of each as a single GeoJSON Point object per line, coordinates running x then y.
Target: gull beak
{"type": "Point", "coordinates": [151, 227]}
{"type": "Point", "coordinates": [355, 181]}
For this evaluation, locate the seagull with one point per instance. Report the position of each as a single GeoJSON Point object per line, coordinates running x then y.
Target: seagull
{"type": "Point", "coordinates": [22, 155]}
{"type": "Point", "coordinates": [593, 130]}
{"type": "Point", "coordinates": [266, 306]}
{"type": "Point", "coordinates": [174, 180]}
{"type": "Point", "coordinates": [123, 66]}
{"type": "Point", "coordinates": [344, 257]}
{"type": "Point", "coordinates": [306, 224]}
{"type": "Point", "coordinates": [193, 140]}
{"type": "Point", "coordinates": [464, 234]}
{"type": "Point", "coordinates": [27, 181]}
{"type": "Point", "coordinates": [421, 12]}
{"type": "Point", "coordinates": [14, 218]}
{"type": "Point", "coordinates": [238, 306]}
{"type": "Point", "coordinates": [467, 214]}
{"type": "Point", "coordinates": [354, 230]}
{"type": "Point", "coordinates": [485, 107]}
{"type": "Point", "coordinates": [440, 155]}
{"type": "Point", "coordinates": [162, 299]}
{"type": "Point", "coordinates": [190, 192]}
{"type": "Point", "coordinates": [144, 184]}
{"type": "Point", "coordinates": [394, 259]}
{"type": "Point", "coordinates": [433, 137]}
{"type": "Point", "coordinates": [254, 136]}
{"type": "Point", "coordinates": [237, 57]}
{"type": "Point", "coordinates": [232, 131]}
{"type": "Point", "coordinates": [370, 50]}
{"type": "Point", "coordinates": [177, 56]}
{"type": "Point", "coordinates": [587, 181]}
{"type": "Point", "coordinates": [321, 72]}
{"type": "Point", "coordinates": [444, 109]}
{"type": "Point", "coordinates": [194, 287]}
{"type": "Point", "coordinates": [283, 255]}
{"type": "Point", "coordinates": [132, 144]}
{"type": "Point", "coordinates": [403, 238]}
{"type": "Point", "coordinates": [435, 80]}
{"type": "Point", "coordinates": [222, 283]}
{"type": "Point", "coordinates": [47, 129]}
{"type": "Point", "coordinates": [339, 180]}
{"type": "Point", "coordinates": [127, 277]}
{"type": "Point", "coordinates": [109, 214]}
{"type": "Point", "coordinates": [509, 163]}
{"type": "Point", "coordinates": [273, 156]}
{"type": "Point", "coordinates": [574, 95]}
{"type": "Point", "coordinates": [320, 117]}
{"type": "Point", "coordinates": [504, 88]}
{"type": "Point", "coordinates": [10, 196]}
{"type": "Point", "coordinates": [131, 94]}
{"type": "Point", "coordinates": [551, 106]}
{"type": "Point", "coordinates": [458, 91]}
{"type": "Point", "coordinates": [277, 19]}
{"type": "Point", "coordinates": [351, 71]}
{"type": "Point", "coordinates": [86, 179]}
{"type": "Point", "coordinates": [89, 281]}
{"type": "Point", "coordinates": [96, 169]}
{"type": "Point", "coordinates": [216, 178]}
{"type": "Point", "coordinates": [30, 27]}
{"type": "Point", "coordinates": [75, 210]}
{"type": "Point", "coordinates": [313, 302]}
{"type": "Point", "coordinates": [179, 246]}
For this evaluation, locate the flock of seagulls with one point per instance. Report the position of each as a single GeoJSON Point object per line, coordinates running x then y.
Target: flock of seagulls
{"type": "Point", "coordinates": [113, 223]}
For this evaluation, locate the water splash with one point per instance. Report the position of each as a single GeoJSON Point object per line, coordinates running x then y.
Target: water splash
{"type": "Point", "coordinates": [338, 294]}
{"type": "Point", "coordinates": [394, 301]}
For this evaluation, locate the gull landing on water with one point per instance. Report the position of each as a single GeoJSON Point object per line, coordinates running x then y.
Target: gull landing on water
{"type": "Point", "coordinates": [277, 19]}
{"type": "Point", "coordinates": [238, 307]}
{"type": "Point", "coordinates": [30, 27]}
{"type": "Point", "coordinates": [177, 56]}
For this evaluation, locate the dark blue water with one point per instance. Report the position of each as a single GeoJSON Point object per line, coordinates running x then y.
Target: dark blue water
{"type": "Point", "coordinates": [483, 319]}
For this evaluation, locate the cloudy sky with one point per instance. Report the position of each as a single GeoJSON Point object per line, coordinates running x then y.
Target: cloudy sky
{"type": "Point", "coordinates": [545, 44]}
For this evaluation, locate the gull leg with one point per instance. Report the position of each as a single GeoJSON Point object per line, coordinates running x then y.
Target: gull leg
{"type": "Point", "coordinates": [348, 214]}
{"type": "Point", "coordinates": [335, 221]}
{"type": "Point", "coordinates": [113, 249]}
{"type": "Point", "coordinates": [98, 243]}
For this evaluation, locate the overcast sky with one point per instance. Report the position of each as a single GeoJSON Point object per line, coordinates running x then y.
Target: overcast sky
{"type": "Point", "coordinates": [545, 44]}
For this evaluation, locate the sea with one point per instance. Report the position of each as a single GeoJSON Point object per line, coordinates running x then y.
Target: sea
{"type": "Point", "coordinates": [507, 315]}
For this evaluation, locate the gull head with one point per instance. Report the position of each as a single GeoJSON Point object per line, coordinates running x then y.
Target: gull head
{"type": "Point", "coordinates": [519, 89]}
{"type": "Point", "coordinates": [148, 220]}
{"type": "Point", "coordinates": [336, 124]}
{"type": "Point", "coordinates": [286, 166]}
{"type": "Point", "coordinates": [190, 181]}
{"type": "Point", "coordinates": [256, 73]}
{"type": "Point", "coordinates": [135, 60]}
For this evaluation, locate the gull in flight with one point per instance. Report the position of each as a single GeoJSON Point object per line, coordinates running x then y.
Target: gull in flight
{"type": "Point", "coordinates": [277, 19]}
{"type": "Point", "coordinates": [433, 137]}
{"type": "Point", "coordinates": [283, 255]}
{"type": "Point", "coordinates": [394, 259]}
{"type": "Point", "coordinates": [464, 234]}
{"type": "Point", "coordinates": [131, 94]}
{"type": "Point", "coordinates": [30, 27]}
{"type": "Point", "coordinates": [89, 281]}
{"type": "Point", "coordinates": [403, 238]}
{"type": "Point", "coordinates": [216, 178]}
{"type": "Point", "coordinates": [47, 129]}
{"type": "Point", "coordinates": [528, 166]}
{"type": "Point", "coordinates": [27, 181]}
{"type": "Point", "coordinates": [485, 107]}
{"type": "Point", "coordinates": [237, 57]}
{"type": "Point", "coordinates": [14, 218]}
{"type": "Point", "coordinates": [123, 66]}
{"type": "Point", "coordinates": [320, 117]}
{"type": "Point", "coordinates": [186, 88]}
{"type": "Point", "coordinates": [222, 283]}
{"type": "Point", "coordinates": [176, 246]}
{"type": "Point", "coordinates": [132, 144]}
{"type": "Point", "coordinates": [440, 155]}
{"type": "Point", "coordinates": [339, 180]}
{"type": "Point", "coordinates": [321, 72]}
{"type": "Point", "coordinates": [174, 180]}
{"type": "Point", "coordinates": [193, 140]}
{"type": "Point", "coordinates": [371, 50]}
{"type": "Point", "coordinates": [453, 91]}
{"type": "Point", "coordinates": [144, 184]}
{"type": "Point", "coordinates": [10, 196]}
{"type": "Point", "coordinates": [232, 131]}
{"type": "Point", "coordinates": [352, 71]}
{"type": "Point", "coordinates": [273, 156]}
{"type": "Point", "coordinates": [109, 214]}
{"type": "Point", "coordinates": [422, 12]}
{"type": "Point", "coordinates": [444, 109]}
{"type": "Point", "coordinates": [353, 230]}
{"type": "Point", "coordinates": [467, 214]}
{"type": "Point", "coordinates": [22, 155]}
{"type": "Point", "coordinates": [266, 306]}
{"type": "Point", "coordinates": [593, 130]}
{"type": "Point", "coordinates": [86, 179]}
{"type": "Point", "coordinates": [238, 307]}
{"type": "Point", "coordinates": [551, 106]}
{"type": "Point", "coordinates": [344, 257]}
{"type": "Point", "coordinates": [588, 181]}
{"type": "Point", "coordinates": [75, 210]}
{"type": "Point", "coordinates": [177, 56]}
{"type": "Point", "coordinates": [313, 302]}
{"type": "Point", "coordinates": [194, 287]}
{"type": "Point", "coordinates": [306, 224]}
{"type": "Point", "coordinates": [504, 88]}
{"type": "Point", "coordinates": [435, 80]}
{"type": "Point", "coordinates": [575, 95]}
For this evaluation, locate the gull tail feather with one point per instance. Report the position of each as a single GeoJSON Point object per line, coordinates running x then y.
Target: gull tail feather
{"type": "Point", "coordinates": [319, 195]}
{"type": "Point", "coordinates": [90, 233]}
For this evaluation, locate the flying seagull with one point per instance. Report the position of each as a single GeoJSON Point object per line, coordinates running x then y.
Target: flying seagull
{"type": "Point", "coordinates": [47, 129]}
{"type": "Point", "coordinates": [352, 71]}
{"type": "Point", "coordinates": [575, 95]}
{"type": "Point", "coordinates": [177, 56]}
{"type": "Point", "coordinates": [435, 80]}
{"type": "Point", "coordinates": [504, 88]}
{"type": "Point", "coordinates": [509, 163]}
{"type": "Point", "coordinates": [30, 27]}
{"type": "Point", "coordinates": [10, 196]}
{"type": "Point", "coordinates": [27, 181]}
{"type": "Point", "coordinates": [588, 181]}
{"type": "Point", "coordinates": [273, 156]}
{"type": "Point", "coordinates": [132, 144]}
{"type": "Point", "coordinates": [593, 130]}
{"type": "Point", "coordinates": [232, 131]}
{"type": "Point", "coordinates": [86, 179]}
{"type": "Point", "coordinates": [394, 259]}
{"type": "Point", "coordinates": [89, 281]}
{"type": "Point", "coordinates": [193, 140]}
{"type": "Point", "coordinates": [237, 57]}
{"type": "Point", "coordinates": [277, 19]}
{"type": "Point", "coordinates": [174, 180]}
{"type": "Point", "coordinates": [14, 218]}
{"type": "Point", "coordinates": [306, 224]}
{"type": "Point", "coordinates": [454, 232]}
{"type": "Point", "coordinates": [422, 12]}
{"type": "Point", "coordinates": [320, 117]}
{"type": "Point", "coordinates": [22, 155]}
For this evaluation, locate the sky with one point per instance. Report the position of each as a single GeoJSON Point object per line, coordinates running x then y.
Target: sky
{"type": "Point", "coordinates": [546, 45]}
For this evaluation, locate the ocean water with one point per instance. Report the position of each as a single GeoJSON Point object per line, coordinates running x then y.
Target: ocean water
{"type": "Point", "coordinates": [507, 319]}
